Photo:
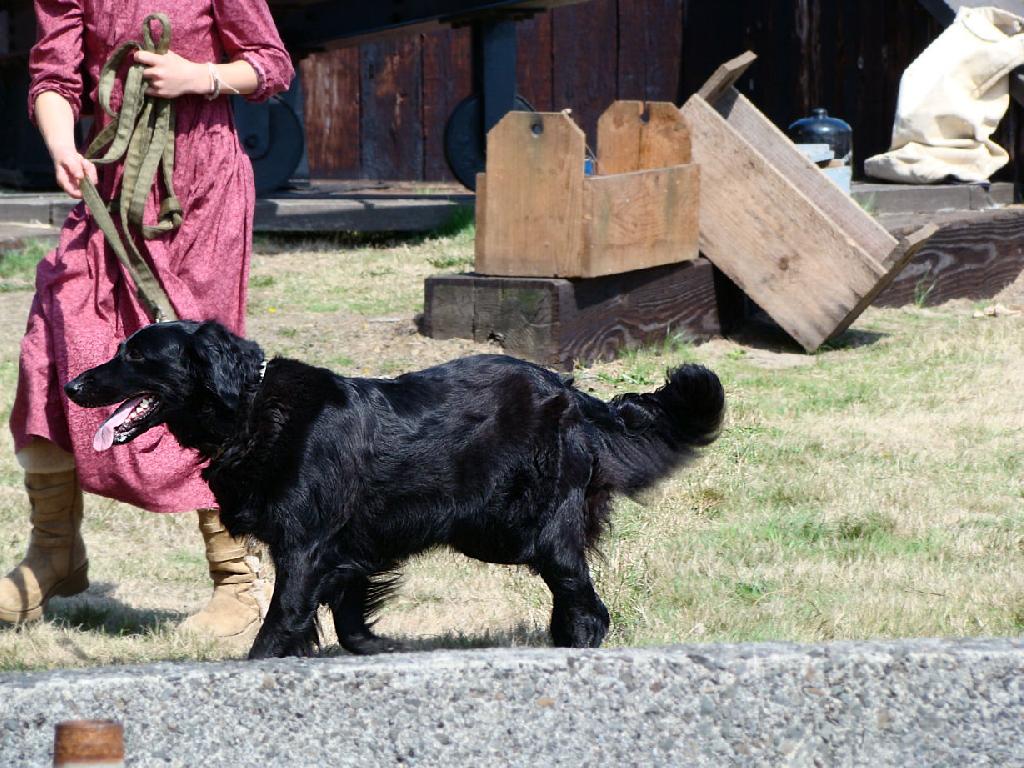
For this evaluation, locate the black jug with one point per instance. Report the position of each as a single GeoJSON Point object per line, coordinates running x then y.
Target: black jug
{"type": "Point", "coordinates": [819, 128]}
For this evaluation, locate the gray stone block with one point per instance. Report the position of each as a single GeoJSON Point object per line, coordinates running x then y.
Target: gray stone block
{"type": "Point", "coordinates": [918, 702]}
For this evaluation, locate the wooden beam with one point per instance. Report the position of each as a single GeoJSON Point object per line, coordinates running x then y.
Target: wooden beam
{"type": "Point", "coordinates": [560, 322]}
{"type": "Point", "coordinates": [973, 255]}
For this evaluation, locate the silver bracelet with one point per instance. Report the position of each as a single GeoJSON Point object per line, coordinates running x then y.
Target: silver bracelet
{"type": "Point", "coordinates": [216, 84]}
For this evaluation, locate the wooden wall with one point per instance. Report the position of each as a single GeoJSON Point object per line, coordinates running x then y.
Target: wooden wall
{"type": "Point", "coordinates": [378, 111]}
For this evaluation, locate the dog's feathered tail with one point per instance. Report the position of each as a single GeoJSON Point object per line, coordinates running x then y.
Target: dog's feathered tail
{"type": "Point", "coordinates": [651, 434]}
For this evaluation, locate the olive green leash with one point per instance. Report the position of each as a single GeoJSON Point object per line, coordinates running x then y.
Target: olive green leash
{"type": "Point", "coordinates": [142, 133]}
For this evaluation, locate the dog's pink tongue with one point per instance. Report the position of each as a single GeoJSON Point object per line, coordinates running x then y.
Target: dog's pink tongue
{"type": "Point", "coordinates": [104, 437]}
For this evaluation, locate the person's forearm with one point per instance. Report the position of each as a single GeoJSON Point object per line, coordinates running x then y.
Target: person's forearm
{"type": "Point", "coordinates": [56, 121]}
{"type": "Point", "coordinates": [238, 76]}
{"type": "Point", "coordinates": [170, 75]}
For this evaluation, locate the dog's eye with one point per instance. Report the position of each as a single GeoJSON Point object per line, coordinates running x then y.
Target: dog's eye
{"type": "Point", "coordinates": [133, 356]}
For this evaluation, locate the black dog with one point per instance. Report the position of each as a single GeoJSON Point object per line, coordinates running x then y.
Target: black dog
{"type": "Point", "coordinates": [344, 478]}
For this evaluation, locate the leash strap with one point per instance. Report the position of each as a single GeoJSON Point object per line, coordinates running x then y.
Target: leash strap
{"type": "Point", "coordinates": [142, 133]}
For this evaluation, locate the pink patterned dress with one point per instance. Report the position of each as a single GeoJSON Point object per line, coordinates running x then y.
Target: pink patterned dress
{"type": "Point", "coordinates": [84, 304]}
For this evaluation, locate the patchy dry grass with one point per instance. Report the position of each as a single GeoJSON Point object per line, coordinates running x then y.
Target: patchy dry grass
{"type": "Point", "coordinates": [872, 490]}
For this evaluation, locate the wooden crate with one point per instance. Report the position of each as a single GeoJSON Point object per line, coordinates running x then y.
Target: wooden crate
{"type": "Point", "coordinates": [787, 236]}
{"type": "Point", "coordinates": [539, 215]}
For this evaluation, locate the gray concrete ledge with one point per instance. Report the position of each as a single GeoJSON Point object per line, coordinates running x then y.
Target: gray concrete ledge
{"type": "Point", "coordinates": [881, 199]}
{"type": "Point", "coordinates": [919, 702]}
{"type": "Point", "coordinates": [320, 210]}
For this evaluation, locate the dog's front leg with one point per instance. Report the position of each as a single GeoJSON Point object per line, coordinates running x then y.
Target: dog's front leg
{"type": "Point", "coordinates": [290, 628]}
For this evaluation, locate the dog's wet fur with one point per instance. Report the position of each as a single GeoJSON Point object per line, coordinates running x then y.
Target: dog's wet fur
{"type": "Point", "coordinates": [344, 478]}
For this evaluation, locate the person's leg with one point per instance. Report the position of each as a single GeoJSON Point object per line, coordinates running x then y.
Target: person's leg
{"type": "Point", "coordinates": [55, 564]}
{"type": "Point", "coordinates": [233, 609]}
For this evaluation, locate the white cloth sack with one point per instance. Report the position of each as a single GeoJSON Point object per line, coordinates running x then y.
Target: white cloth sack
{"type": "Point", "coordinates": [951, 99]}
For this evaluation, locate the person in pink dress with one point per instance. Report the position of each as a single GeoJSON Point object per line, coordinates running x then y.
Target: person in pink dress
{"type": "Point", "coordinates": [85, 302]}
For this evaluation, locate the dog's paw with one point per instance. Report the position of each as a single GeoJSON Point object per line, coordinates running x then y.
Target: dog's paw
{"type": "Point", "coordinates": [368, 644]}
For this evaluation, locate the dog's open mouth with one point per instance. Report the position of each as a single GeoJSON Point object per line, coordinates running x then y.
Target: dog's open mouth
{"type": "Point", "coordinates": [131, 419]}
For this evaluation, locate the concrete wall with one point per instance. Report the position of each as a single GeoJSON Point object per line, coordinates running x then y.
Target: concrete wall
{"type": "Point", "coordinates": [912, 703]}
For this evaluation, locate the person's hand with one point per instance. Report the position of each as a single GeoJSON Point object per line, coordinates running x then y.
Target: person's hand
{"type": "Point", "coordinates": [170, 75]}
{"type": "Point", "coordinates": [70, 168]}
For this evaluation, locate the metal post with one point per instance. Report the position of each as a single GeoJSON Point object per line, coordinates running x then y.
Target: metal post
{"type": "Point", "coordinates": [494, 68]}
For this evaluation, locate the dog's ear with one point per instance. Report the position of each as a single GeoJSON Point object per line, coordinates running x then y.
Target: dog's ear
{"type": "Point", "coordinates": [219, 362]}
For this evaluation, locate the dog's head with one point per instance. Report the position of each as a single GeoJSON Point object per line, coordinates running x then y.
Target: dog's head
{"type": "Point", "coordinates": [188, 375]}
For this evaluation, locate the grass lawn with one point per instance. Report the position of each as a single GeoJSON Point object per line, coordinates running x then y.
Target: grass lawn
{"type": "Point", "coordinates": [874, 489]}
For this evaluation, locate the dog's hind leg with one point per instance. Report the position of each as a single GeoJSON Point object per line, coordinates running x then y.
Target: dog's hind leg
{"type": "Point", "coordinates": [354, 608]}
{"type": "Point", "coordinates": [578, 617]}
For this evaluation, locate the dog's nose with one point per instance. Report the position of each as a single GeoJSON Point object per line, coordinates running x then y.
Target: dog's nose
{"type": "Point", "coordinates": [74, 387]}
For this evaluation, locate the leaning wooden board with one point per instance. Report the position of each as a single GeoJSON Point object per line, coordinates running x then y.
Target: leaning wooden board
{"type": "Point", "coordinates": [793, 242]}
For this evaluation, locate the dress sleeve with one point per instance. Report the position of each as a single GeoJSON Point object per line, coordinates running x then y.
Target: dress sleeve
{"type": "Point", "coordinates": [55, 63]}
{"type": "Point", "coordinates": [247, 32]}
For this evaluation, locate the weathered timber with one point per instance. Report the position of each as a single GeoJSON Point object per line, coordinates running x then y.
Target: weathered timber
{"type": "Point", "coordinates": [725, 77]}
{"type": "Point", "coordinates": [776, 147]}
{"type": "Point", "coordinates": [973, 255]}
{"type": "Point", "coordinates": [539, 216]}
{"type": "Point", "coordinates": [531, 213]}
{"type": "Point", "coordinates": [637, 136]}
{"type": "Point", "coordinates": [559, 322]}
{"type": "Point", "coordinates": [770, 220]}
{"type": "Point", "coordinates": [650, 215]}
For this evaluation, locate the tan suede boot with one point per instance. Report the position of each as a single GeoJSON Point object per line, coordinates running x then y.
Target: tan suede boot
{"type": "Point", "coordinates": [55, 564]}
{"type": "Point", "coordinates": [234, 610]}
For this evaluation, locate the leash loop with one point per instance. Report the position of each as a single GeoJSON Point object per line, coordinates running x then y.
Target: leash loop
{"type": "Point", "coordinates": [142, 134]}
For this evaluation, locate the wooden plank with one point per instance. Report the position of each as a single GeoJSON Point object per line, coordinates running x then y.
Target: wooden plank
{"type": "Point", "coordinates": [770, 239]}
{"type": "Point", "coordinates": [585, 39]}
{"type": "Point", "coordinates": [534, 64]}
{"type": "Point", "coordinates": [533, 225]}
{"type": "Point", "coordinates": [480, 216]}
{"type": "Point", "coordinates": [907, 250]}
{"type": "Point", "coordinates": [650, 45]}
{"type": "Point", "coordinates": [974, 255]}
{"type": "Point", "coordinates": [619, 131]}
{"type": "Point", "coordinates": [726, 76]}
{"type": "Point", "coordinates": [560, 322]}
{"type": "Point", "coordinates": [447, 70]}
{"type": "Point", "coordinates": [392, 132]}
{"type": "Point", "coordinates": [330, 82]}
{"type": "Point", "coordinates": [635, 136]}
{"type": "Point", "coordinates": [640, 220]}
{"type": "Point", "coordinates": [619, 312]}
{"type": "Point", "coordinates": [778, 150]}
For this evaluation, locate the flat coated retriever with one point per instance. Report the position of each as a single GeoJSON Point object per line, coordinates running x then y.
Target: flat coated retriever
{"type": "Point", "coordinates": [345, 478]}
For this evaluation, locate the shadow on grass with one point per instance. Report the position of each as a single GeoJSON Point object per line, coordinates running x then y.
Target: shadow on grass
{"type": "Point", "coordinates": [761, 332]}
{"type": "Point", "coordinates": [97, 611]}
